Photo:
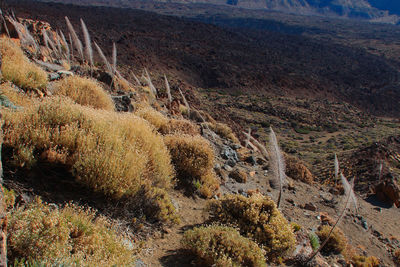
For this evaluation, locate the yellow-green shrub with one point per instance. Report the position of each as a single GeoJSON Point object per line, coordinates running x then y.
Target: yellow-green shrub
{"type": "Point", "coordinates": [116, 154]}
{"type": "Point", "coordinates": [222, 246]}
{"type": "Point", "coordinates": [17, 98]}
{"type": "Point", "coordinates": [224, 130]}
{"type": "Point", "coordinates": [337, 241]}
{"type": "Point", "coordinates": [17, 68]}
{"type": "Point", "coordinates": [362, 261]}
{"type": "Point", "coordinates": [258, 218]}
{"type": "Point", "coordinates": [84, 91]}
{"type": "Point", "coordinates": [71, 234]}
{"type": "Point", "coordinates": [193, 158]}
{"type": "Point", "coordinates": [165, 125]}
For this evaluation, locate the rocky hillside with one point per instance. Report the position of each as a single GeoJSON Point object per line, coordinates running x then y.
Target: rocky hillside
{"type": "Point", "coordinates": [105, 164]}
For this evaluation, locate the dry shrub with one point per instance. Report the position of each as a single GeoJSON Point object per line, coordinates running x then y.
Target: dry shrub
{"type": "Point", "coordinates": [165, 125]}
{"type": "Point", "coordinates": [72, 235]}
{"type": "Point", "coordinates": [363, 261]}
{"type": "Point", "coordinates": [84, 91]}
{"type": "Point", "coordinates": [297, 170]}
{"type": "Point", "coordinates": [337, 241]}
{"type": "Point", "coordinates": [116, 154]}
{"type": "Point", "coordinates": [258, 218]}
{"type": "Point", "coordinates": [396, 255]}
{"type": "Point", "coordinates": [16, 97]}
{"type": "Point", "coordinates": [224, 130]}
{"type": "Point", "coordinates": [193, 158]}
{"type": "Point", "coordinates": [17, 68]}
{"type": "Point", "coordinates": [222, 246]}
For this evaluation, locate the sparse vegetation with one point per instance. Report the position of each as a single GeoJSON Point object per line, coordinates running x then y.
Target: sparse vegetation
{"type": "Point", "coordinates": [314, 240]}
{"type": "Point", "coordinates": [165, 125]}
{"type": "Point", "coordinates": [224, 131]}
{"type": "Point", "coordinates": [337, 240]}
{"type": "Point", "coordinates": [84, 91]}
{"type": "Point", "coordinates": [17, 68]}
{"type": "Point", "coordinates": [193, 159]}
{"type": "Point", "coordinates": [72, 235]}
{"type": "Point", "coordinates": [118, 163]}
{"type": "Point", "coordinates": [258, 218]}
{"type": "Point", "coordinates": [363, 261]}
{"type": "Point", "coordinates": [223, 246]}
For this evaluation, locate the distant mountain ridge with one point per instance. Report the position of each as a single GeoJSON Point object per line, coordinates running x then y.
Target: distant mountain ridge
{"type": "Point", "coordinates": [384, 11]}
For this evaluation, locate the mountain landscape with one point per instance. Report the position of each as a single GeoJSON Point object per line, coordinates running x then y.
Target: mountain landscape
{"type": "Point", "coordinates": [154, 123]}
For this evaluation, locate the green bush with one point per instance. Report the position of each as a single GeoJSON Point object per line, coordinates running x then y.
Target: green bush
{"type": "Point", "coordinates": [258, 218]}
{"type": "Point", "coordinates": [223, 246]}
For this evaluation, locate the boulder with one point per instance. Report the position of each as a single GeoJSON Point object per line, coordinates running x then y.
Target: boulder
{"type": "Point", "coordinates": [238, 176]}
{"type": "Point", "coordinates": [389, 190]}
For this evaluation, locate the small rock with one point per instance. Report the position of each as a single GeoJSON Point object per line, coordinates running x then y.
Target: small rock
{"type": "Point", "coordinates": [252, 173]}
{"type": "Point", "coordinates": [65, 73]}
{"type": "Point", "coordinates": [229, 154]}
{"type": "Point", "coordinates": [217, 166]}
{"type": "Point", "coordinates": [260, 161]}
{"type": "Point", "coordinates": [291, 201]}
{"type": "Point", "coordinates": [310, 206]}
{"type": "Point", "coordinates": [238, 176]}
{"type": "Point", "coordinates": [251, 160]}
{"type": "Point", "coordinates": [54, 76]}
{"type": "Point", "coordinates": [231, 162]}
{"type": "Point", "coordinates": [228, 168]}
{"type": "Point", "coordinates": [364, 223]}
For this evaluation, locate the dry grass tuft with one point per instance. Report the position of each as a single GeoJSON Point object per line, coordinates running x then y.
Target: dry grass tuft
{"type": "Point", "coordinates": [165, 125]}
{"type": "Point", "coordinates": [363, 261]}
{"type": "Point", "coordinates": [116, 154]}
{"type": "Point", "coordinates": [193, 158]}
{"type": "Point", "coordinates": [224, 130]}
{"type": "Point", "coordinates": [222, 246]}
{"type": "Point", "coordinates": [85, 91]}
{"type": "Point", "coordinates": [18, 98]}
{"type": "Point", "coordinates": [72, 235]}
{"type": "Point", "coordinates": [337, 241]}
{"type": "Point", "coordinates": [258, 218]}
{"type": "Point", "coordinates": [17, 68]}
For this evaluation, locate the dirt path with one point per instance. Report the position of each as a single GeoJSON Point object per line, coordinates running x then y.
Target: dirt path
{"type": "Point", "coordinates": [164, 248]}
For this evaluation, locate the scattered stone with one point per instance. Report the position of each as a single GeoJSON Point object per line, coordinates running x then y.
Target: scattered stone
{"type": "Point", "coordinates": [229, 154]}
{"type": "Point", "coordinates": [334, 191]}
{"type": "Point", "coordinates": [238, 176]}
{"type": "Point", "coordinates": [326, 219]}
{"type": "Point", "coordinates": [260, 161]}
{"type": "Point", "coordinates": [222, 173]}
{"type": "Point", "coordinates": [310, 206]}
{"type": "Point", "coordinates": [123, 103]}
{"type": "Point", "coordinates": [54, 76]}
{"type": "Point", "coordinates": [217, 166]}
{"type": "Point", "coordinates": [227, 168]}
{"type": "Point", "coordinates": [65, 73]}
{"type": "Point", "coordinates": [364, 223]}
{"type": "Point", "coordinates": [389, 190]}
{"type": "Point", "coordinates": [252, 173]}
{"type": "Point", "coordinates": [378, 209]}
{"type": "Point", "coordinates": [291, 201]}
{"type": "Point", "coordinates": [231, 162]}
{"type": "Point", "coordinates": [251, 160]}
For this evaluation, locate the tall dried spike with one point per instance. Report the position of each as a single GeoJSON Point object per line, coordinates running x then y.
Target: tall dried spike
{"type": "Point", "coordinates": [72, 46]}
{"type": "Point", "coordinates": [103, 57]}
{"type": "Point", "coordinates": [258, 145]}
{"type": "Point", "coordinates": [150, 83]}
{"type": "Point", "coordinates": [336, 168]}
{"type": "Point", "coordinates": [114, 57]}
{"type": "Point", "coordinates": [184, 99]}
{"type": "Point", "coordinates": [4, 23]}
{"type": "Point", "coordinates": [136, 79]}
{"type": "Point", "coordinates": [277, 164]}
{"type": "Point", "coordinates": [348, 189]}
{"type": "Point", "coordinates": [75, 38]}
{"type": "Point", "coordinates": [88, 43]}
{"type": "Point", "coordinates": [246, 144]}
{"type": "Point", "coordinates": [67, 50]}
{"type": "Point", "coordinates": [168, 88]}
{"type": "Point", "coordinates": [380, 168]}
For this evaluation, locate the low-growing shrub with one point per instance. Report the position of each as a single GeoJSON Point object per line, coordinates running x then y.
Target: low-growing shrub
{"type": "Point", "coordinates": [17, 68]}
{"type": "Point", "coordinates": [224, 130]}
{"type": "Point", "coordinates": [258, 218]}
{"type": "Point", "coordinates": [337, 241]}
{"type": "Point", "coordinates": [222, 246]}
{"type": "Point", "coordinates": [314, 241]}
{"type": "Point", "coordinates": [363, 261]}
{"type": "Point", "coordinates": [72, 235]}
{"type": "Point", "coordinates": [193, 158]}
{"type": "Point", "coordinates": [84, 91]}
{"type": "Point", "coordinates": [116, 154]}
{"type": "Point", "coordinates": [17, 98]}
{"type": "Point", "coordinates": [165, 125]}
